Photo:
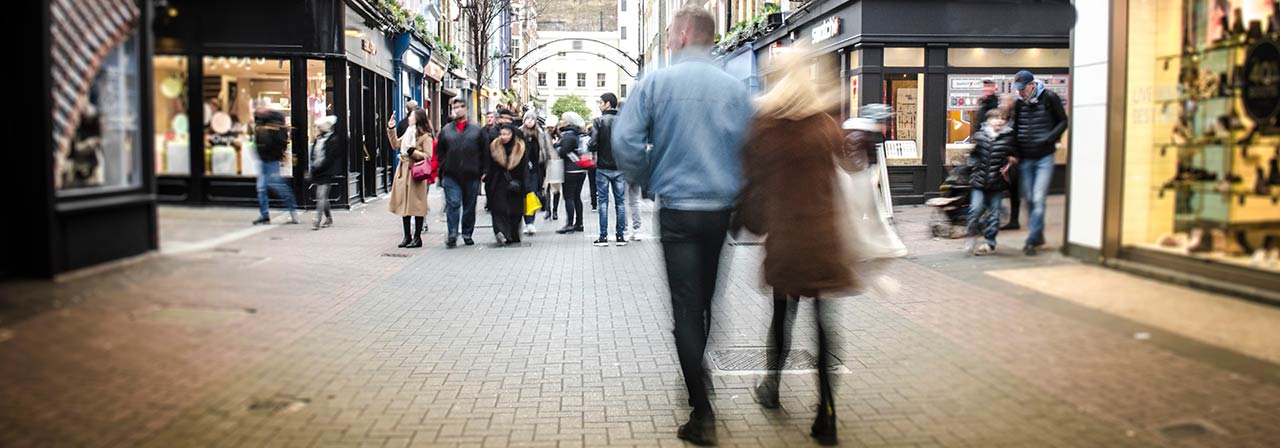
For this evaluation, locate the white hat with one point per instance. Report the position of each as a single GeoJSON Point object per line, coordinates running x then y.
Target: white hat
{"type": "Point", "coordinates": [325, 123]}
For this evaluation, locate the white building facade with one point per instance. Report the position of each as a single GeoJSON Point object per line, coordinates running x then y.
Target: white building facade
{"type": "Point", "coordinates": [580, 65]}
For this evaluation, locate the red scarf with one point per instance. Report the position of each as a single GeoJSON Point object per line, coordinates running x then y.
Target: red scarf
{"type": "Point", "coordinates": [462, 124]}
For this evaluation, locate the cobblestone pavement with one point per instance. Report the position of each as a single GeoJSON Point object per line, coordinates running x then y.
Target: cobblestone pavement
{"type": "Point", "coordinates": [291, 337]}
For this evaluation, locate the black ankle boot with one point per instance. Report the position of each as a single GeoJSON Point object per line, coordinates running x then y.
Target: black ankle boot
{"type": "Point", "coordinates": [555, 208]}
{"type": "Point", "coordinates": [824, 428]}
{"type": "Point", "coordinates": [407, 236]}
{"type": "Point", "coordinates": [417, 235]}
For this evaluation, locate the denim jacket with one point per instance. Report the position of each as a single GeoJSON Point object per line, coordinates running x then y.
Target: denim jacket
{"type": "Point", "coordinates": [696, 117]}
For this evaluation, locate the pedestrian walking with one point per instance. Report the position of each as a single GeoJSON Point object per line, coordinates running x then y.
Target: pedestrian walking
{"type": "Point", "coordinates": [571, 129]}
{"type": "Point", "coordinates": [991, 160]}
{"type": "Point", "coordinates": [463, 154]}
{"type": "Point", "coordinates": [508, 181]}
{"type": "Point", "coordinates": [409, 195]}
{"type": "Point", "coordinates": [807, 253]}
{"type": "Point", "coordinates": [271, 137]}
{"type": "Point", "coordinates": [695, 115]}
{"type": "Point", "coordinates": [1040, 121]}
{"type": "Point", "coordinates": [537, 147]}
{"type": "Point", "coordinates": [553, 183]}
{"type": "Point", "coordinates": [326, 163]}
{"type": "Point", "coordinates": [608, 178]}
{"type": "Point", "coordinates": [870, 234]}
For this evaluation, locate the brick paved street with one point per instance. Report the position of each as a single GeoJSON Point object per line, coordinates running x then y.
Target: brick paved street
{"type": "Point", "coordinates": [289, 337]}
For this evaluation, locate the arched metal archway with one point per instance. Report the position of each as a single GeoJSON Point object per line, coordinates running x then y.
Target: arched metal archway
{"type": "Point", "coordinates": [518, 69]}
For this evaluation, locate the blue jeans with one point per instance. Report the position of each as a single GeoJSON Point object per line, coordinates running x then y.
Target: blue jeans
{"type": "Point", "coordinates": [460, 204]}
{"type": "Point", "coordinates": [269, 177]}
{"type": "Point", "coordinates": [988, 202]}
{"type": "Point", "coordinates": [1036, 176]}
{"type": "Point", "coordinates": [612, 180]}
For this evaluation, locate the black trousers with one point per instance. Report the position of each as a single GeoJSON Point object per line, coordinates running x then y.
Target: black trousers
{"type": "Point", "coordinates": [1015, 194]}
{"type": "Point", "coordinates": [591, 183]}
{"type": "Point", "coordinates": [573, 198]}
{"type": "Point", "coordinates": [691, 246]}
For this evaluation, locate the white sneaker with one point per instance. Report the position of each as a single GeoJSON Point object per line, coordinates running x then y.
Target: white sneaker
{"type": "Point", "coordinates": [970, 244]}
{"type": "Point", "coordinates": [530, 230]}
{"type": "Point", "coordinates": [984, 249]}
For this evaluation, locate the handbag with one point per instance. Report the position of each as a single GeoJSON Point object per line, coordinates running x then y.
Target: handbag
{"type": "Point", "coordinates": [420, 170]}
{"type": "Point", "coordinates": [586, 161]}
{"type": "Point", "coordinates": [513, 186]}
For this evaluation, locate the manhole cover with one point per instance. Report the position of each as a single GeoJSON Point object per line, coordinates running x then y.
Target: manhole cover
{"type": "Point", "coordinates": [279, 404]}
{"type": "Point", "coordinates": [195, 316]}
{"type": "Point", "coordinates": [395, 255]}
{"type": "Point", "coordinates": [757, 359]}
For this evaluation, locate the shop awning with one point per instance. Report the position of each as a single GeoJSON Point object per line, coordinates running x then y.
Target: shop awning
{"type": "Point", "coordinates": [84, 32]}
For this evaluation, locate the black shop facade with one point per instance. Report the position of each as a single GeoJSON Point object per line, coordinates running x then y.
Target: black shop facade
{"type": "Point", "coordinates": [927, 59]}
{"type": "Point", "coordinates": [304, 58]}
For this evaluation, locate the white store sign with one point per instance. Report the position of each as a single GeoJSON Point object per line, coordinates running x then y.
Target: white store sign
{"type": "Point", "coordinates": [826, 29]}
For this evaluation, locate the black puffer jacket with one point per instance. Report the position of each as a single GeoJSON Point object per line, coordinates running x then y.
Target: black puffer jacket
{"type": "Point", "coordinates": [271, 136]}
{"type": "Point", "coordinates": [990, 155]}
{"type": "Point", "coordinates": [568, 145]}
{"type": "Point", "coordinates": [1040, 123]}
{"type": "Point", "coordinates": [462, 154]}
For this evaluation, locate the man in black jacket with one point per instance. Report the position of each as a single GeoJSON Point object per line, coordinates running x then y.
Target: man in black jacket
{"type": "Point", "coordinates": [271, 137]}
{"type": "Point", "coordinates": [1039, 122]}
{"type": "Point", "coordinates": [608, 177]}
{"type": "Point", "coordinates": [463, 154]}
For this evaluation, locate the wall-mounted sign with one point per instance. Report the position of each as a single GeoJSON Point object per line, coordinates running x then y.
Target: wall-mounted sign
{"type": "Point", "coordinates": [826, 29]}
{"type": "Point", "coordinates": [434, 70]}
{"type": "Point", "coordinates": [1262, 83]}
{"type": "Point", "coordinates": [368, 46]}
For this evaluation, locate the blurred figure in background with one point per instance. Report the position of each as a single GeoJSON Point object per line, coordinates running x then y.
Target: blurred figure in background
{"type": "Point", "coordinates": [409, 195]}
{"type": "Point", "coordinates": [793, 196]}
{"type": "Point", "coordinates": [571, 129]}
{"type": "Point", "coordinates": [508, 181]}
{"type": "Point", "coordinates": [695, 116]}
{"type": "Point", "coordinates": [271, 137]}
{"type": "Point", "coordinates": [326, 162]}
{"type": "Point", "coordinates": [1039, 120]}
{"type": "Point", "coordinates": [554, 182]}
{"type": "Point", "coordinates": [870, 234]}
{"type": "Point", "coordinates": [609, 179]}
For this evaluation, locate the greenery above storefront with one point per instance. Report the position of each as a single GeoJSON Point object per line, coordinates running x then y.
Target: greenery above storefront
{"type": "Point", "coordinates": [402, 20]}
{"type": "Point", "coordinates": [749, 30]}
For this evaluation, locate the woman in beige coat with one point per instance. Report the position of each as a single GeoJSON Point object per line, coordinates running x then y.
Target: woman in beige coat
{"type": "Point", "coordinates": [409, 196]}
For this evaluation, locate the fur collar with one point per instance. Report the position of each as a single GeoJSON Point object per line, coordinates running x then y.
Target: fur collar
{"type": "Point", "coordinates": [500, 154]}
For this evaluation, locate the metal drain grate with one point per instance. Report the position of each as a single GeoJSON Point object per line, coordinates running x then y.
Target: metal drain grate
{"type": "Point", "coordinates": [395, 255]}
{"type": "Point", "coordinates": [1189, 429]}
{"type": "Point", "coordinates": [520, 244]}
{"type": "Point", "coordinates": [757, 359]}
{"type": "Point", "coordinates": [747, 243]}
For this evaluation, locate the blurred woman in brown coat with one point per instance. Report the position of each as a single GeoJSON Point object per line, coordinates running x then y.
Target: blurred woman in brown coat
{"type": "Point", "coordinates": [792, 196]}
{"type": "Point", "coordinates": [409, 196]}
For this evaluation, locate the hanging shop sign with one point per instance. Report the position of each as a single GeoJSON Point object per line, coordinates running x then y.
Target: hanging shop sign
{"type": "Point", "coordinates": [1262, 83]}
{"type": "Point", "coordinates": [368, 46]}
{"type": "Point", "coordinates": [434, 70]}
{"type": "Point", "coordinates": [826, 29]}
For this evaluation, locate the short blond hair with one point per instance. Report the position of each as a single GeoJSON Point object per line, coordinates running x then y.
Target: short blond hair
{"type": "Point", "coordinates": [699, 23]}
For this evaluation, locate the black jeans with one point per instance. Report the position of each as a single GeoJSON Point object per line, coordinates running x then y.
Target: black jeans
{"type": "Point", "coordinates": [573, 198]}
{"type": "Point", "coordinates": [691, 246]}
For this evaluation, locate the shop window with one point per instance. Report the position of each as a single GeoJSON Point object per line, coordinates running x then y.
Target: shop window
{"type": "Point", "coordinates": [173, 137]}
{"type": "Point", "coordinates": [100, 146]}
{"type": "Point", "coordinates": [964, 93]}
{"type": "Point", "coordinates": [560, 79]}
{"type": "Point", "coordinates": [855, 59]}
{"type": "Point", "coordinates": [542, 80]}
{"type": "Point", "coordinates": [1197, 181]}
{"type": "Point", "coordinates": [582, 80]}
{"type": "Point", "coordinates": [320, 96]}
{"type": "Point", "coordinates": [904, 57]}
{"type": "Point", "coordinates": [600, 80]}
{"type": "Point", "coordinates": [855, 97]}
{"type": "Point", "coordinates": [904, 139]}
{"type": "Point", "coordinates": [1015, 58]}
{"type": "Point", "coordinates": [231, 85]}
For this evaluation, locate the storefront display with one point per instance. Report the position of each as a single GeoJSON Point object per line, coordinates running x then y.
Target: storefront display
{"type": "Point", "coordinates": [231, 87]}
{"type": "Point", "coordinates": [101, 142]}
{"type": "Point", "coordinates": [903, 140]}
{"type": "Point", "coordinates": [964, 96]}
{"type": "Point", "coordinates": [1201, 137]}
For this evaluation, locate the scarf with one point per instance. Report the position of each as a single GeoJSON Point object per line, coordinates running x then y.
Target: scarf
{"type": "Point", "coordinates": [409, 139]}
{"type": "Point", "coordinates": [500, 155]}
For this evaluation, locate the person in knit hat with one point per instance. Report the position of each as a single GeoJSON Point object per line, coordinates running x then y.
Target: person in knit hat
{"type": "Point", "coordinates": [538, 151]}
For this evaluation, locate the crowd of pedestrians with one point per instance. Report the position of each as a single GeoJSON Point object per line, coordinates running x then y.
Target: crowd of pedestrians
{"type": "Point", "coordinates": [717, 164]}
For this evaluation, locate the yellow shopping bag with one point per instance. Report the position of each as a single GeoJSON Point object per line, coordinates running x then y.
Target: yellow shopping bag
{"type": "Point", "coordinates": [531, 204]}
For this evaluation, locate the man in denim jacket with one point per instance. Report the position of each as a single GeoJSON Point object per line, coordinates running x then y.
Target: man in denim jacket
{"type": "Point", "coordinates": [696, 117]}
